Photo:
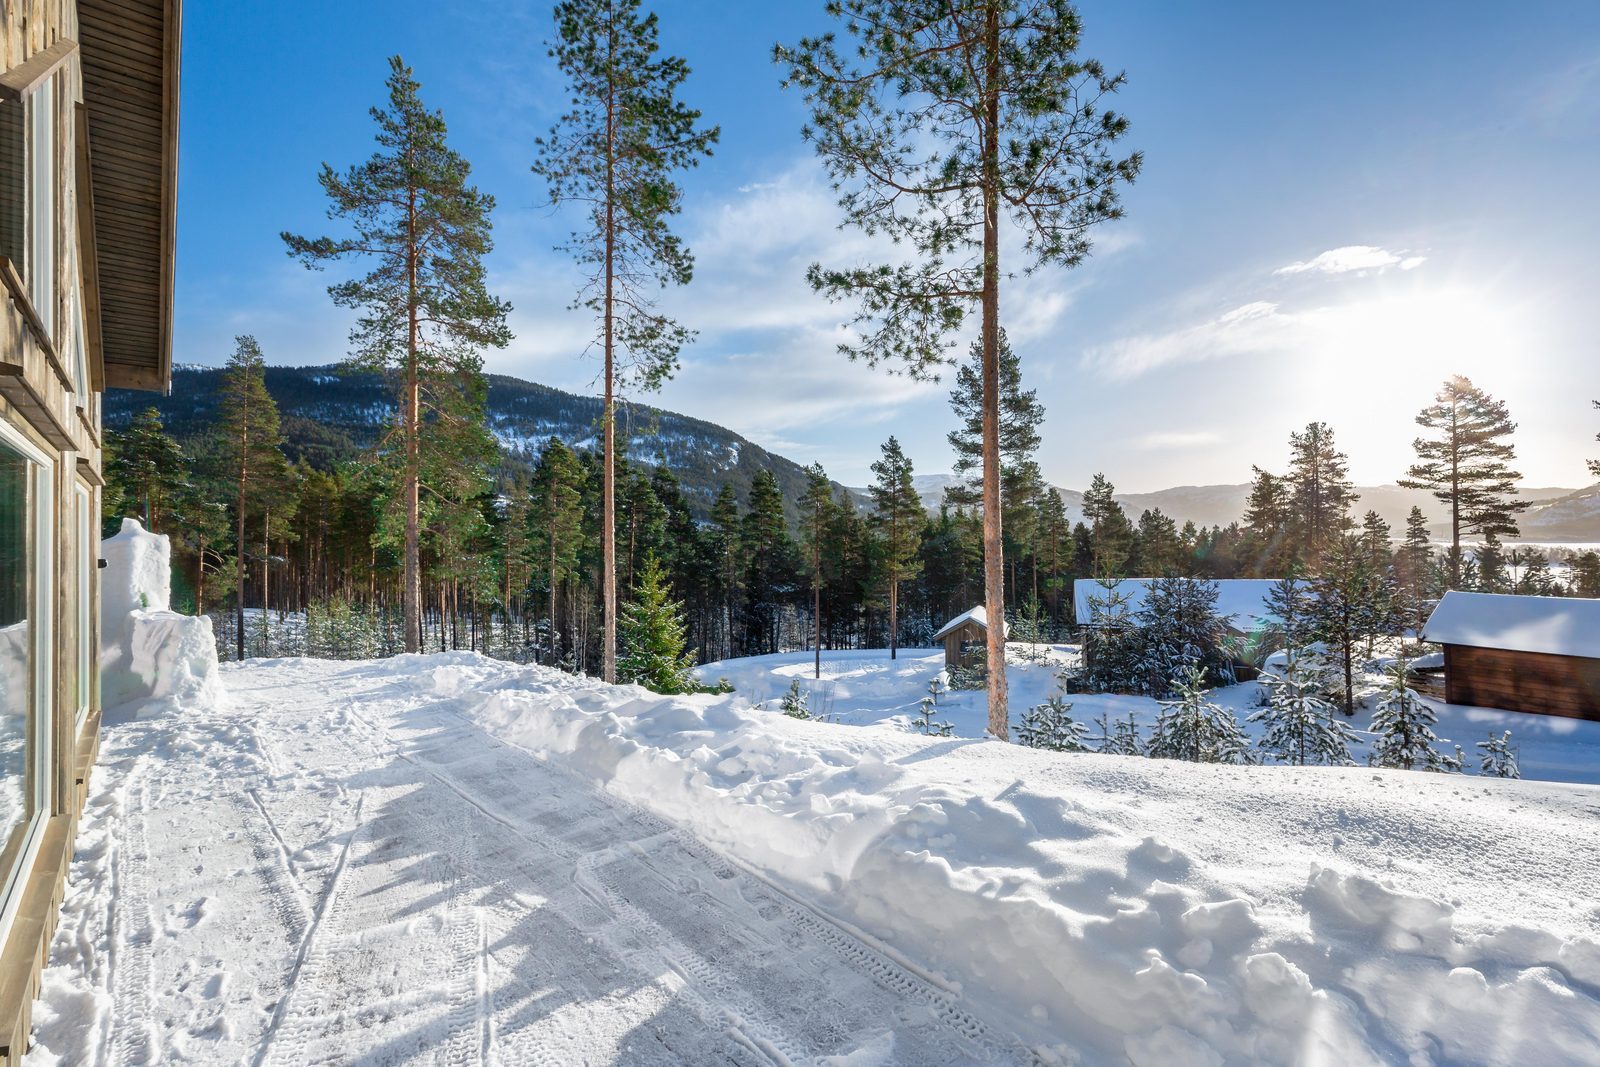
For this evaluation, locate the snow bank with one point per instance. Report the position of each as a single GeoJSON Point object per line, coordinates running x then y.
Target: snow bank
{"type": "Point", "coordinates": [1123, 910]}
{"type": "Point", "coordinates": [149, 654]}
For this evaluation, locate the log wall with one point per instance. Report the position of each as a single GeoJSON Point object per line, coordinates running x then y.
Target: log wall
{"type": "Point", "coordinates": [1523, 681]}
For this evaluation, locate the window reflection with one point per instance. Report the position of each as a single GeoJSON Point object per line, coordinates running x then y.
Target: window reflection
{"type": "Point", "coordinates": [16, 566]}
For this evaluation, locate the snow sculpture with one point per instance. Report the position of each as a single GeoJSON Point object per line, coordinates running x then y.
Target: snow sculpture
{"type": "Point", "coordinates": [147, 651]}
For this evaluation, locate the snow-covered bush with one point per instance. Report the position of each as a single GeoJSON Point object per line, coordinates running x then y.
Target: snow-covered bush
{"type": "Point", "coordinates": [1119, 738]}
{"type": "Point", "coordinates": [1403, 724]}
{"type": "Point", "coordinates": [1178, 626]}
{"type": "Point", "coordinates": [1496, 757]}
{"type": "Point", "coordinates": [795, 703]}
{"type": "Point", "coordinates": [969, 677]}
{"type": "Point", "coordinates": [1192, 728]}
{"type": "Point", "coordinates": [1050, 726]}
{"type": "Point", "coordinates": [1301, 726]}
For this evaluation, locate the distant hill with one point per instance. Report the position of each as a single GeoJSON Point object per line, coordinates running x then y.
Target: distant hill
{"type": "Point", "coordinates": [1554, 514]}
{"type": "Point", "coordinates": [331, 414]}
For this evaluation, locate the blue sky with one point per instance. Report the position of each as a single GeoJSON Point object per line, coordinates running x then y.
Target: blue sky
{"type": "Point", "coordinates": [1340, 206]}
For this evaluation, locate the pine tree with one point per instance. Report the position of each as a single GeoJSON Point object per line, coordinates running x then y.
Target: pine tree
{"type": "Point", "coordinates": [1111, 642]}
{"type": "Point", "coordinates": [1403, 724]}
{"type": "Point", "coordinates": [1531, 570]}
{"type": "Point", "coordinates": [1349, 602]}
{"type": "Point", "coordinates": [924, 721]}
{"type": "Point", "coordinates": [1584, 575]}
{"type": "Point", "coordinates": [1414, 569]}
{"type": "Point", "coordinates": [1267, 549]}
{"type": "Point", "coordinates": [897, 516]}
{"type": "Point", "coordinates": [146, 466]}
{"type": "Point", "coordinates": [1177, 626]}
{"type": "Point", "coordinates": [1377, 540]}
{"type": "Point", "coordinates": [557, 522]}
{"type": "Point", "coordinates": [724, 549]}
{"type": "Point", "coordinates": [1191, 727]}
{"type": "Point", "coordinates": [1158, 549]}
{"type": "Point", "coordinates": [816, 518]}
{"type": "Point", "coordinates": [796, 703]}
{"type": "Point", "coordinates": [1022, 131]}
{"type": "Point", "coordinates": [654, 637]}
{"type": "Point", "coordinates": [426, 312]}
{"type": "Point", "coordinates": [1301, 727]}
{"type": "Point", "coordinates": [1466, 464]}
{"type": "Point", "coordinates": [1050, 726]}
{"type": "Point", "coordinates": [1119, 738]}
{"type": "Point", "coordinates": [1490, 557]}
{"type": "Point", "coordinates": [1497, 758]}
{"type": "Point", "coordinates": [252, 449]}
{"type": "Point", "coordinates": [1111, 534]}
{"type": "Point", "coordinates": [770, 563]}
{"type": "Point", "coordinates": [1320, 491]}
{"type": "Point", "coordinates": [617, 153]}
{"type": "Point", "coordinates": [1290, 604]}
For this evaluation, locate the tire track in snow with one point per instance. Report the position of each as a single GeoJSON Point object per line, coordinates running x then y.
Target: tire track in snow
{"type": "Point", "coordinates": [133, 1038]}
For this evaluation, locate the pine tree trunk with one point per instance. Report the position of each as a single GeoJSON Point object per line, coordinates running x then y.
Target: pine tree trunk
{"type": "Point", "coordinates": [608, 489]}
{"type": "Point", "coordinates": [993, 548]}
{"type": "Point", "coordinates": [411, 593]}
{"type": "Point", "coordinates": [238, 589]}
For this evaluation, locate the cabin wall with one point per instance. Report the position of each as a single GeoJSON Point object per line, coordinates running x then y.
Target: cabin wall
{"type": "Point", "coordinates": [1568, 686]}
{"type": "Point", "coordinates": [57, 426]}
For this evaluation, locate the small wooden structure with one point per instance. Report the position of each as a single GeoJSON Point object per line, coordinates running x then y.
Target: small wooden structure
{"type": "Point", "coordinates": [1520, 653]}
{"type": "Point", "coordinates": [961, 634]}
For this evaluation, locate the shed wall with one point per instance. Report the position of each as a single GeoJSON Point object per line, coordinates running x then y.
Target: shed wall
{"type": "Point", "coordinates": [1523, 681]}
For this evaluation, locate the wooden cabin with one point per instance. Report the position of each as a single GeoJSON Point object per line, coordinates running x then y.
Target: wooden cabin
{"type": "Point", "coordinates": [1520, 653]}
{"type": "Point", "coordinates": [962, 635]}
{"type": "Point", "coordinates": [88, 194]}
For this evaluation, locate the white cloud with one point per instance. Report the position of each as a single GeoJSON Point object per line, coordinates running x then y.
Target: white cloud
{"type": "Point", "coordinates": [1359, 258]}
{"type": "Point", "coordinates": [1258, 326]}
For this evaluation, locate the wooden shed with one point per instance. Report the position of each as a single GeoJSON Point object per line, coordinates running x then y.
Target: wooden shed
{"type": "Point", "coordinates": [962, 633]}
{"type": "Point", "coordinates": [1520, 653]}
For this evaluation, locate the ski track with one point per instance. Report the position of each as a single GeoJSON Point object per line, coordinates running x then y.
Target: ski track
{"type": "Point", "coordinates": [427, 894]}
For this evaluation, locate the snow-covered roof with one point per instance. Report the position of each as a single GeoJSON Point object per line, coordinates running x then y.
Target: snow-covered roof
{"type": "Point", "coordinates": [977, 615]}
{"type": "Point", "coordinates": [1555, 625]}
{"type": "Point", "coordinates": [1242, 602]}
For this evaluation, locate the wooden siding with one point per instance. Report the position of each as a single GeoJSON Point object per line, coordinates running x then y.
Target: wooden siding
{"type": "Point", "coordinates": [1568, 686]}
{"type": "Point", "coordinates": [968, 632]}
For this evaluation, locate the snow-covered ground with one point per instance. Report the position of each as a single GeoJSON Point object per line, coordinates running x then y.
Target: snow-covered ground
{"type": "Point", "coordinates": [448, 859]}
{"type": "Point", "coordinates": [863, 686]}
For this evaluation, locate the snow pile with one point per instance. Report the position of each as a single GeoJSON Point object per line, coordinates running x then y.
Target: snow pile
{"type": "Point", "coordinates": [149, 653]}
{"type": "Point", "coordinates": [1120, 910]}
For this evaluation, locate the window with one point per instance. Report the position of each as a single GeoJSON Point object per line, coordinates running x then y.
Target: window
{"type": "Point", "coordinates": [83, 682]}
{"type": "Point", "coordinates": [25, 659]}
{"type": "Point", "coordinates": [41, 107]}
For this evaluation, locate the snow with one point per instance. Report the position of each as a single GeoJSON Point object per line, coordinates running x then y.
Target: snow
{"type": "Point", "coordinates": [1242, 602]}
{"type": "Point", "coordinates": [445, 858]}
{"type": "Point", "coordinates": [149, 653]}
{"type": "Point", "coordinates": [1557, 626]}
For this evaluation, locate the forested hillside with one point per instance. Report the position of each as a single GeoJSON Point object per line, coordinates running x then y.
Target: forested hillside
{"type": "Point", "coordinates": [332, 413]}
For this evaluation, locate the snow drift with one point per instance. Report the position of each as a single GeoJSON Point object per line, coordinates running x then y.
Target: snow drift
{"type": "Point", "coordinates": [1122, 910]}
{"type": "Point", "coordinates": [149, 654]}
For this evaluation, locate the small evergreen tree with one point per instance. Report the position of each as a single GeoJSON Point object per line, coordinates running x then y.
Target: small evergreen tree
{"type": "Point", "coordinates": [1290, 604]}
{"type": "Point", "coordinates": [1497, 758]}
{"type": "Point", "coordinates": [1403, 724]}
{"type": "Point", "coordinates": [1050, 726]}
{"type": "Point", "coordinates": [1111, 535]}
{"type": "Point", "coordinates": [1111, 642]}
{"type": "Point", "coordinates": [1351, 602]}
{"type": "Point", "coordinates": [654, 637]}
{"type": "Point", "coordinates": [1301, 727]}
{"type": "Point", "coordinates": [796, 702]}
{"type": "Point", "coordinates": [924, 721]}
{"type": "Point", "coordinates": [1192, 728]}
{"type": "Point", "coordinates": [1320, 491]}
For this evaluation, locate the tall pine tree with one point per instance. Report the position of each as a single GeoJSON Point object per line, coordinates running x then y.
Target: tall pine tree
{"type": "Point", "coordinates": [934, 123]}
{"type": "Point", "coordinates": [898, 517]}
{"type": "Point", "coordinates": [617, 153]}
{"type": "Point", "coordinates": [425, 310]}
{"type": "Point", "coordinates": [252, 447]}
{"type": "Point", "coordinates": [1466, 464]}
{"type": "Point", "coordinates": [1320, 491]}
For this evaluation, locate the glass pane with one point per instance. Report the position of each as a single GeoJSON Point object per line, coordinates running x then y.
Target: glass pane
{"type": "Point", "coordinates": [16, 646]}
{"type": "Point", "coordinates": [85, 562]}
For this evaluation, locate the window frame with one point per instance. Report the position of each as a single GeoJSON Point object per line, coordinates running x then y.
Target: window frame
{"type": "Point", "coordinates": [41, 676]}
{"type": "Point", "coordinates": [42, 137]}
